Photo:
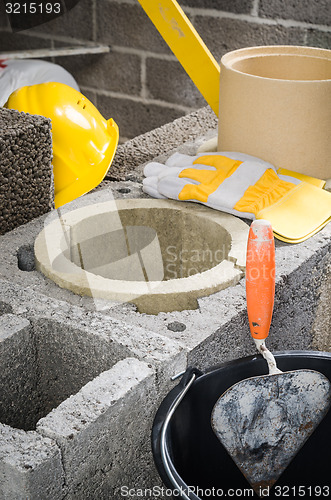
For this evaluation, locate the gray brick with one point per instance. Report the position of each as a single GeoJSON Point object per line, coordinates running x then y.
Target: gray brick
{"type": "Point", "coordinates": [238, 6]}
{"type": "Point", "coordinates": [113, 71]}
{"type": "Point", "coordinates": [19, 41]}
{"type": "Point", "coordinates": [222, 35]}
{"type": "Point", "coordinates": [77, 23]}
{"type": "Point", "coordinates": [320, 39]}
{"type": "Point", "coordinates": [3, 16]}
{"type": "Point", "coordinates": [168, 81]}
{"type": "Point", "coordinates": [316, 11]}
{"type": "Point", "coordinates": [127, 26]}
{"type": "Point", "coordinates": [135, 118]}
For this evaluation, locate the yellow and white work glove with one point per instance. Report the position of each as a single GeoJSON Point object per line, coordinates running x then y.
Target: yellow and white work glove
{"type": "Point", "coordinates": [242, 185]}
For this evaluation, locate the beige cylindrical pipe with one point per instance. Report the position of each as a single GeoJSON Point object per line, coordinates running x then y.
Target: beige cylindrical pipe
{"type": "Point", "coordinates": [275, 103]}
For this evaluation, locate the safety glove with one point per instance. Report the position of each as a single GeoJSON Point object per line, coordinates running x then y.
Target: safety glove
{"type": "Point", "coordinates": [242, 185]}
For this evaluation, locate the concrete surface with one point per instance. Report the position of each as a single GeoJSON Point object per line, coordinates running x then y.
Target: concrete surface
{"type": "Point", "coordinates": [26, 175]}
{"type": "Point", "coordinates": [103, 368]}
{"type": "Point", "coordinates": [134, 153]}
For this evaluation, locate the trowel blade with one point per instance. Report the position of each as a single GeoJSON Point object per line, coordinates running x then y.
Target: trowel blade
{"type": "Point", "coordinates": [264, 421]}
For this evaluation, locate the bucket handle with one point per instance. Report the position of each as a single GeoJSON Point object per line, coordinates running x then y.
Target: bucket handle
{"type": "Point", "coordinates": [163, 444]}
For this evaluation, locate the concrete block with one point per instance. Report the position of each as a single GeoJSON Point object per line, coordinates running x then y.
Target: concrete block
{"type": "Point", "coordinates": [321, 39]}
{"type": "Point", "coordinates": [237, 6]}
{"type": "Point", "coordinates": [18, 379]}
{"type": "Point", "coordinates": [112, 340]}
{"type": "Point", "coordinates": [3, 17]}
{"type": "Point", "coordinates": [222, 35]}
{"type": "Point", "coordinates": [18, 41]}
{"type": "Point", "coordinates": [26, 176]}
{"type": "Point", "coordinates": [103, 429]}
{"type": "Point", "coordinates": [151, 145]}
{"type": "Point", "coordinates": [30, 466]}
{"type": "Point", "coordinates": [115, 71]}
{"type": "Point", "coordinates": [168, 81]}
{"type": "Point", "coordinates": [68, 358]}
{"type": "Point", "coordinates": [76, 23]}
{"type": "Point", "coordinates": [127, 25]}
{"type": "Point", "coordinates": [134, 117]}
{"type": "Point", "coordinates": [317, 12]}
{"type": "Point", "coordinates": [302, 305]}
{"type": "Point", "coordinates": [322, 323]}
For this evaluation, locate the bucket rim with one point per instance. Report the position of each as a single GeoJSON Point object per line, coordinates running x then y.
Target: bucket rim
{"type": "Point", "coordinates": [174, 394]}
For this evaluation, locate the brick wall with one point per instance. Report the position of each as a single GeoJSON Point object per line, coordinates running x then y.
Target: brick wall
{"type": "Point", "coordinates": [140, 83]}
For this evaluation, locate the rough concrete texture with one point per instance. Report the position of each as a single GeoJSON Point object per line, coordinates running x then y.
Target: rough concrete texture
{"type": "Point", "coordinates": [98, 432]}
{"type": "Point", "coordinates": [110, 366]}
{"type": "Point", "coordinates": [237, 33]}
{"type": "Point", "coordinates": [146, 147]}
{"type": "Point", "coordinates": [173, 86]}
{"type": "Point", "coordinates": [300, 10]}
{"type": "Point", "coordinates": [238, 6]}
{"type": "Point", "coordinates": [30, 466]}
{"type": "Point", "coordinates": [26, 175]}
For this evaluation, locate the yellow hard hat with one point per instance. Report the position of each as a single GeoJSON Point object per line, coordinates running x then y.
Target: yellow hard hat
{"type": "Point", "coordinates": [84, 143]}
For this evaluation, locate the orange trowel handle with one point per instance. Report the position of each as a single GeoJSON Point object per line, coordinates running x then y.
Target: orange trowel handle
{"type": "Point", "coordinates": [260, 278]}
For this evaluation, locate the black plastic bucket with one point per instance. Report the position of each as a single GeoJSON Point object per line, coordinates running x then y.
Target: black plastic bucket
{"type": "Point", "coordinates": [188, 454]}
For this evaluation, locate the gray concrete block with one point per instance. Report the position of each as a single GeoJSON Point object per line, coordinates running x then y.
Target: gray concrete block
{"type": "Point", "coordinates": [18, 377]}
{"type": "Point", "coordinates": [76, 23]}
{"type": "Point", "coordinates": [18, 41]}
{"type": "Point", "coordinates": [10, 325]}
{"type": "Point", "coordinates": [320, 39]}
{"type": "Point", "coordinates": [68, 358]}
{"type": "Point", "coordinates": [301, 305]}
{"type": "Point", "coordinates": [322, 323]}
{"type": "Point", "coordinates": [103, 429]}
{"type": "Point", "coordinates": [115, 71]}
{"type": "Point", "coordinates": [127, 26]}
{"type": "Point", "coordinates": [30, 466]}
{"type": "Point", "coordinates": [147, 146]}
{"type": "Point", "coordinates": [222, 35]}
{"type": "Point", "coordinates": [237, 6]}
{"type": "Point", "coordinates": [26, 174]}
{"type": "Point", "coordinates": [135, 117]}
{"type": "Point", "coordinates": [111, 340]}
{"type": "Point", "coordinates": [317, 12]}
{"type": "Point", "coordinates": [168, 81]}
{"type": "Point", "coordinates": [3, 16]}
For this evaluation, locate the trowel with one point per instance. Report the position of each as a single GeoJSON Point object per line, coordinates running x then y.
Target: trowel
{"type": "Point", "coordinates": [264, 421]}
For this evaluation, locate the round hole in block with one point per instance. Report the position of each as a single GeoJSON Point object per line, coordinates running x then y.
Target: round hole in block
{"type": "Point", "coordinates": [159, 254]}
